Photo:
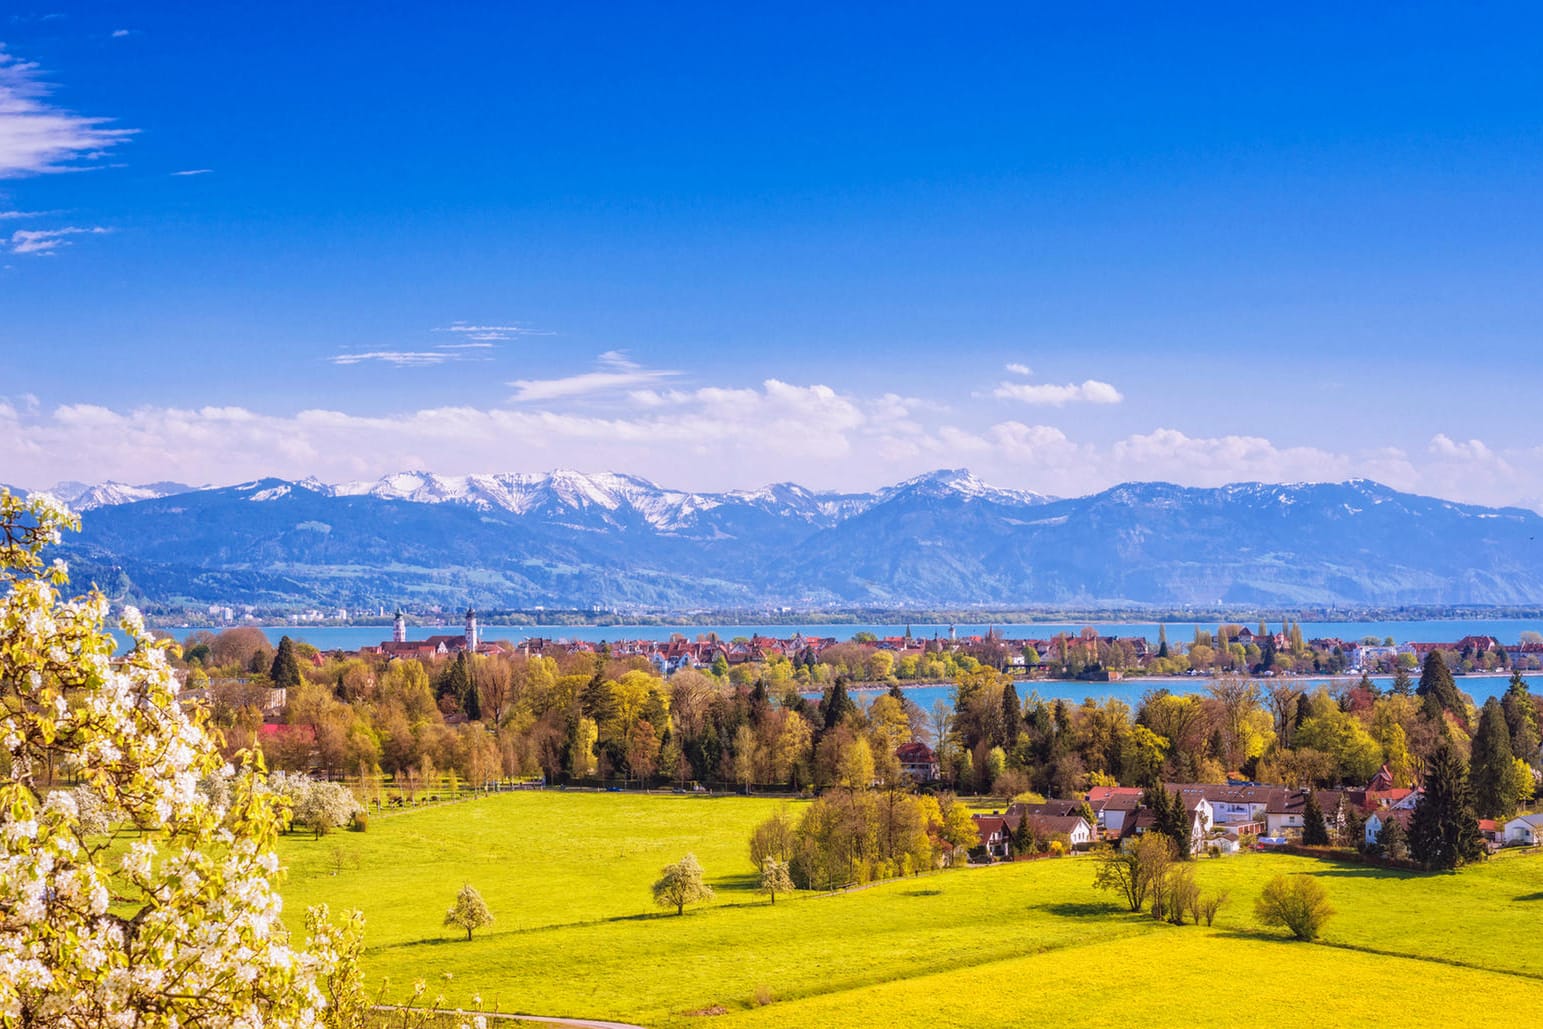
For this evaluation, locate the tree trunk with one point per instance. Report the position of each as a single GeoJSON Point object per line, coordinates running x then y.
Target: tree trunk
{"type": "Point", "coordinates": [468, 934]}
{"type": "Point", "coordinates": [680, 909]}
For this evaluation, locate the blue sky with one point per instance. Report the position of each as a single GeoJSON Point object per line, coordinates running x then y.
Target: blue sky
{"type": "Point", "coordinates": [721, 246]}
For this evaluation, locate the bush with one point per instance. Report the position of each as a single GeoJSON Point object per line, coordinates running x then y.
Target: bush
{"type": "Point", "coordinates": [1207, 906]}
{"type": "Point", "coordinates": [360, 823]}
{"type": "Point", "coordinates": [1297, 903]}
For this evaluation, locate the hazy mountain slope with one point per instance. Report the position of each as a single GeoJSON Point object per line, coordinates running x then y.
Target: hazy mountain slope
{"type": "Point", "coordinates": [944, 539]}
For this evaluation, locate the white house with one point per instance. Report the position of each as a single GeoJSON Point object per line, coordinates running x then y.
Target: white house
{"type": "Point", "coordinates": [1076, 828]}
{"type": "Point", "coordinates": [1377, 819]}
{"type": "Point", "coordinates": [1524, 830]}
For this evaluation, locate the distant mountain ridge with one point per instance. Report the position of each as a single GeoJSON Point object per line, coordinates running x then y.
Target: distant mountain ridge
{"type": "Point", "coordinates": [567, 539]}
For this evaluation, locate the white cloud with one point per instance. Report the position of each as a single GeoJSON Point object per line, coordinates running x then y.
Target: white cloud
{"type": "Point", "coordinates": [615, 373]}
{"type": "Point", "coordinates": [400, 358]}
{"type": "Point", "coordinates": [192, 171]}
{"type": "Point", "coordinates": [36, 137]}
{"type": "Point", "coordinates": [491, 333]}
{"type": "Point", "coordinates": [18, 215]}
{"type": "Point", "coordinates": [1213, 461]}
{"type": "Point", "coordinates": [711, 437]}
{"type": "Point", "coordinates": [1020, 369]}
{"type": "Point", "coordinates": [120, 33]}
{"type": "Point", "coordinates": [1090, 392]}
{"type": "Point", "coordinates": [47, 241]}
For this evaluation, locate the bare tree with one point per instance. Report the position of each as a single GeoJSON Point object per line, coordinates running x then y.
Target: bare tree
{"type": "Point", "coordinates": [1284, 698]}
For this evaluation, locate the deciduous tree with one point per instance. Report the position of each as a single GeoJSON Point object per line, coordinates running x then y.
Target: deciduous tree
{"type": "Point", "coordinates": [681, 884]}
{"type": "Point", "coordinates": [92, 933]}
{"type": "Point", "coordinates": [469, 911]}
{"type": "Point", "coordinates": [775, 878]}
{"type": "Point", "coordinates": [1297, 903]}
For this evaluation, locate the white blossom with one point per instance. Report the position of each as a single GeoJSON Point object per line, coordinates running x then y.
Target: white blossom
{"type": "Point", "coordinates": [213, 925]}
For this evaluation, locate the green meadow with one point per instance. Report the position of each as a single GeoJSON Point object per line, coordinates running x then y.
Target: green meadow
{"type": "Point", "coordinates": [567, 877]}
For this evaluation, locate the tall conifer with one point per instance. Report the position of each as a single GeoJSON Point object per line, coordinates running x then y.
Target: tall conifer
{"type": "Point", "coordinates": [1490, 766]}
{"type": "Point", "coordinates": [285, 670]}
{"type": "Point", "coordinates": [1444, 831]}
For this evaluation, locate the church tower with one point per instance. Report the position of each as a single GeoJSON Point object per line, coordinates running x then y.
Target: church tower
{"type": "Point", "coordinates": [471, 630]}
{"type": "Point", "coordinates": [399, 628]}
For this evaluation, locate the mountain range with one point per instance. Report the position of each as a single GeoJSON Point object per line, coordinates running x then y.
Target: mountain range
{"type": "Point", "coordinates": [945, 539]}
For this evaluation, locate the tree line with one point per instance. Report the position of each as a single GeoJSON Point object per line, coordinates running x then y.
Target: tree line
{"type": "Point", "coordinates": [586, 716]}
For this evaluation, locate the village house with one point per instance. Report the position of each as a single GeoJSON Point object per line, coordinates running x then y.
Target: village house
{"type": "Point", "coordinates": [1283, 814]}
{"type": "Point", "coordinates": [1112, 805]}
{"type": "Point", "coordinates": [1524, 831]}
{"type": "Point", "coordinates": [1047, 821]}
{"type": "Point", "coordinates": [1377, 819]}
{"type": "Point", "coordinates": [918, 761]}
{"type": "Point", "coordinates": [995, 835]}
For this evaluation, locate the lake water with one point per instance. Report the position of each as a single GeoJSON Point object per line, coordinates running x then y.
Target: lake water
{"type": "Point", "coordinates": [352, 637]}
{"type": "Point", "coordinates": [1479, 687]}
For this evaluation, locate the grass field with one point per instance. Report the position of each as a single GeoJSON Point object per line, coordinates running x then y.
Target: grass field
{"type": "Point", "coordinates": [567, 877]}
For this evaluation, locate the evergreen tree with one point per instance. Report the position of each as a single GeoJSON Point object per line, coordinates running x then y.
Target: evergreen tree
{"type": "Point", "coordinates": [1438, 689]}
{"type": "Point", "coordinates": [1162, 641]}
{"type": "Point", "coordinates": [1403, 685]}
{"type": "Point", "coordinates": [837, 703]}
{"type": "Point", "coordinates": [1521, 718]}
{"type": "Point", "coordinates": [1444, 831]}
{"type": "Point", "coordinates": [1024, 840]}
{"type": "Point", "coordinates": [1315, 831]}
{"type": "Point", "coordinates": [1169, 817]}
{"type": "Point", "coordinates": [471, 700]}
{"type": "Point", "coordinates": [1392, 840]}
{"type": "Point", "coordinates": [1267, 654]}
{"type": "Point", "coordinates": [1012, 716]}
{"type": "Point", "coordinates": [285, 671]}
{"type": "Point", "coordinates": [1490, 766]}
{"type": "Point", "coordinates": [597, 701]}
{"type": "Point", "coordinates": [457, 679]}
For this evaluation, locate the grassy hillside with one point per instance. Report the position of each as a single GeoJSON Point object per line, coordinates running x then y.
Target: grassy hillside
{"type": "Point", "coordinates": [567, 876]}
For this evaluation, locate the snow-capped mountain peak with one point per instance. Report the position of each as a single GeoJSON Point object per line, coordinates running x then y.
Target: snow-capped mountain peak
{"type": "Point", "coordinates": [81, 496]}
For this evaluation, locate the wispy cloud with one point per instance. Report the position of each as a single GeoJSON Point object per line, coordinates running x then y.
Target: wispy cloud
{"type": "Point", "coordinates": [491, 333]}
{"type": "Point", "coordinates": [400, 358]}
{"type": "Point", "coordinates": [470, 348]}
{"type": "Point", "coordinates": [614, 372]}
{"type": "Point", "coordinates": [47, 241]}
{"type": "Point", "coordinates": [18, 215]}
{"type": "Point", "coordinates": [120, 33]}
{"type": "Point", "coordinates": [193, 171]}
{"type": "Point", "coordinates": [1050, 395]}
{"type": "Point", "coordinates": [37, 137]}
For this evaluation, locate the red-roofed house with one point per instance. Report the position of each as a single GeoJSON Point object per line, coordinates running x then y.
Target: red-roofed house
{"type": "Point", "coordinates": [918, 761]}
